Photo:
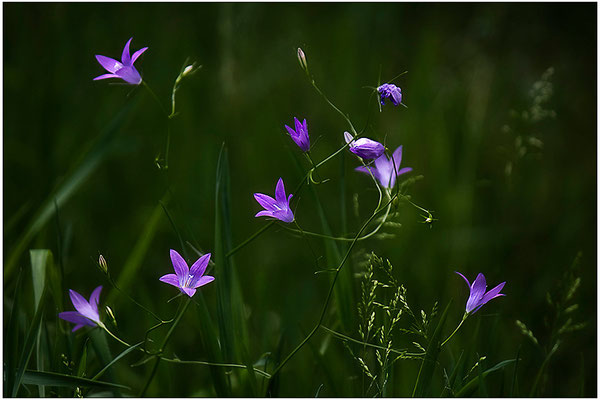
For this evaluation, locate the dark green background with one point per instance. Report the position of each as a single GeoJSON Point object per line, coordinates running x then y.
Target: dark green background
{"type": "Point", "coordinates": [468, 66]}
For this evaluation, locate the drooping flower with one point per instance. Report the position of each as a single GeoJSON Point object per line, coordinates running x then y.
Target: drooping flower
{"type": "Point", "coordinates": [384, 168]}
{"type": "Point", "coordinates": [185, 278]}
{"type": "Point", "coordinates": [124, 69]}
{"type": "Point", "coordinates": [278, 207]}
{"type": "Point", "coordinates": [364, 147]}
{"type": "Point", "coordinates": [391, 91]}
{"type": "Point", "coordinates": [478, 296]}
{"type": "Point", "coordinates": [87, 312]}
{"type": "Point", "coordinates": [300, 135]}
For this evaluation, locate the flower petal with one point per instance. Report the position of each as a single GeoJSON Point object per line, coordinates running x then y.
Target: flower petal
{"type": "Point", "coordinates": [189, 291]}
{"type": "Point", "coordinates": [76, 318]}
{"type": "Point", "coordinates": [106, 76]}
{"type": "Point", "coordinates": [396, 96]}
{"type": "Point", "coordinates": [137, 54]}
{"type": "Point", "coordinates": [109, 64]}
{"type": "Point", "coordinates": [267, 202]}
{"type": "Point", "coordinates": [95, 298]}
{"type": "Point", "coordinates": [82, 306]}
{"type": "Point", "coordinates": [171, 279]}
{"type": "Point", "coordinates": [465, 278]}
{"type": "Point", "coordinates": [477, 291]}
{"type": "Point", "coordinates": [203, 281]}
{"type": "Point", "coordinates": [495, 292]}
{"type": "Point", "coordinates": [264, 213]}
{"type": "Point", "coordinates": [280, 192]}
{"type": "Point", "coordinates": [397, 156]}
{"type": "Point", "coordinates": [298, 126]}
{"type": "Point", "coordinates": [179, 265]}
{"type": "Point", "coordinates": [404, 170]}
{"type": "Point", "coordinates": [364, 170]}
{"type": "Point", "coordinates": [292, 132]}
{"type": "Point", "coordinates": [130, 75]}
{"type": "Point", "coordinates": [199, 267]}
{"type": "Point", "coordinates": [125, 58]}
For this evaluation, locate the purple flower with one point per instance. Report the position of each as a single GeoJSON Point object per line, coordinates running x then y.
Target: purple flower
{"type": "Point", "coordinates": [478, 297]}
{"type": "Point", "coordinates": [300, 135]}
{"type": "Point", "coordinates": [124, 69]}
{"type": "Point", "coordinates": [392, 91]}
{"type": "Point", "coordinates": [87, 312]}
{"type": "Point", "coordinates": [278, 207]}
{"type": "Point", "coordinates": [384, 168]}
{"type": "Point", "coordinates": [185, 278]}
{"type": "Point", "coordinates": [363, 147]}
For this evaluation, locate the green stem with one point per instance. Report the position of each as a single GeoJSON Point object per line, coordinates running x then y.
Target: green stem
{"type": "Point", "coordinates": [225, 365]}
{"type": "Point", "coordinates": [114, 336]}
{"type": "Point", "coordinates": [348, 338]}
{"type": "Point", "coordinates": [155, 97]}
{"type": "Point", "coordinates": [456, 330]}
{"type": "Point", "coordinates": [327, 299]}
{"type": "Point", "coordinates": [251, 238]}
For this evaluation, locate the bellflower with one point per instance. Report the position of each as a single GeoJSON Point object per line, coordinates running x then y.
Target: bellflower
{"type": "Point", "coordinates": [383, 170]}
{"type": "Point", "coordinates": [477, 296]}
{"type": "Point", "coordinates": [185, 278]}
{"type": "Point", "coordinates": [124, 69]}
{"type": "Point", "coordinates": [364, 147]}
{"type": "Point", "coordinates": [278, 207]}
{"type": "Point", "coordinates": [300, 135]}
{"type": "Point", "coordinates": [391, 91]}
{"type": "Point", "coordinates": [87, 312]}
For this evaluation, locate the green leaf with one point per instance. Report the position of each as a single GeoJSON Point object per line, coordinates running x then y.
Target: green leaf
{"type": "Point", "coordinates": [55, 379]}
{"type": "Point", "coordinates": [422, 384]}
{"type": "Point", "coordinates": [30, 341]}
{"type": "Point", "coordinates": [83, 360]}
{"type": "Point", "coordinates": [41, 261]}
{"type": "Point", "coordinates": [73, 180]}
{"type": "Point", "coordinates": [11, 339]}
{"type": "Point", "coordinates": [473, 384]}
{"type": "Point", "coordinates": [117, 358]}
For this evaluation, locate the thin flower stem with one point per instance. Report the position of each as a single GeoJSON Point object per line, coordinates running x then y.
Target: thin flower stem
{"type": "Point", "coordinates": [115, 336]}
{"type": "Point", "coordinates": [225, 365]}
{"type": "Point", "coordinates": [114, 284]}
{"type": "Point", "coordinates": [251, 238]}
{"type": "Point", "coordinates": [164, 343]}
{"type": "Point", "coordinates": [456, 330]}
{"type": "Point", "coordinates": [327, 299]}
{"type": "Point", "coordinates": [314, 84]}
{"type": "Point", "coordinates": [348, 338]}
{"type": "Point", "coordinates": [155, 97]}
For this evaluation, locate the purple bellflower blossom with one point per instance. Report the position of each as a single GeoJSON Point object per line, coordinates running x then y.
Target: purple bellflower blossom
{"type": "Point", "coordinates": [391, 91]}
{"type": "Point", "coordinates": [87, 312]}
{"type": "Point", "coordinates": [300, 135]}
{"type": "Point", "coordinates": [364, 148]}
{"type": "Point", "coordinates": [186, 279]}
{"type": "Point", "coordinates": [123, 69]}
{"type": "Point", "coordinates": [278, 207]}
{"type": "Point", "coordinates": [478, 296]}
{"type": "Point", "coordinates": [384, 168]}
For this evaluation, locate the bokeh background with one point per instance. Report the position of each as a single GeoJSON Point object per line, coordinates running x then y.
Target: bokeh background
{"type": "Point", "coordinates": [501, 123]}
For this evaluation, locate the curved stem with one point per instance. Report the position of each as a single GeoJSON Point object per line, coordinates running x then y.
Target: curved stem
{"type": "Point", "coordinates": [115, 336]}
{"type": "Point", "coordinates": [456, 330]}
{"type": "Point", "coordinates": [114, 284]}
{"type": "Point", "coordinates": [225, 365]}
{"type": "Point", "coordinates": [251, 238]}
{"type": "Point", "coordinates": [155, 97]}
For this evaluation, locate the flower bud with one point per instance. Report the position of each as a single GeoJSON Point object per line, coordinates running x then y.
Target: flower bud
{"type": "Point", "coordinates": [188, 70]}
{"type": "Point", "coordinates": [365, 148]}
{"type": "Point", "coordinates": [103, 264]}
{"type": "Point", "coordinates": [302, 59]}
{"type": "Point", "coordinates": [110, 313]}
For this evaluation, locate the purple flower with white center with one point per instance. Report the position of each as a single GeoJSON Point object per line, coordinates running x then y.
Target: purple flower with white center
{"type": "Point", "coordinates": [384, 168]}
{"type": "Point", "coordinates": [391, 91]}
{"type": "Point", "coordinates": [188, 279]}
{"type": "Point", "coordinates": [124, 69]}
{"type": "Point", "coordinates": [300, 135]}
{"type": "Point", "coordinates": [87, 312]}
{"type": "Point", "coordinates": [364, 147]}
{"type": "Point", "coordinates": [478, 296]}
{"type": "Point", "coordinates": [278, 207]}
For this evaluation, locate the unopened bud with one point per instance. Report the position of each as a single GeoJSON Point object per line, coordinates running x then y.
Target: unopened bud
{"type": "Point", "coordinates": [187, 70]}
{"type": "Point", "coordinates": [111, 315]}
{"type": "Point", "coordinates": [103, 264]}
{"type": "Point", "coordinates": [302, 59]}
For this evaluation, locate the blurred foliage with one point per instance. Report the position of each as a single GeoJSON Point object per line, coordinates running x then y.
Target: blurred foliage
{"type": "Point", "coordinates": [488, 85]}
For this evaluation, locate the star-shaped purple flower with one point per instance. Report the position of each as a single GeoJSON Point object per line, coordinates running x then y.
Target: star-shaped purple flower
{"type": "Point", "coordinates": [87, 312]}
{"type": "Point", "coordinates": [364, 147]}
{"type": "Point", "coordinates": [478, 297]}
{"type": "Point", "coordinates": [391, 91]}
{"type": "Point", "coordinates": [300, 135]}
{"type": "Point", "coordinates": [278, 207]}
{"type": "Point", "coordinates": [185, 278]}
{"type": "Point", "coordinates": [124, 69]}
{"type": "Point", "coordinates": [383, 170]}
